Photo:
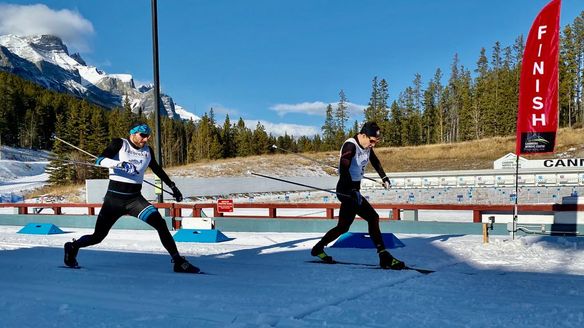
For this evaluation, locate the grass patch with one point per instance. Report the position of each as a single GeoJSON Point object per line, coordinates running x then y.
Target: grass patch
{"type": "Point", "coordinates": [73, 193]}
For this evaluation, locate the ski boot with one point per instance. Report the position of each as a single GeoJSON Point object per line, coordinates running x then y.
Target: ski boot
{"type": "Point", "coordinates": [319, 252]}
{"type": "Point", "coordinates": [387, 261]}
{"type": "Point", "coordinates": [182, 265]}
{"type": "Point", "coordinates": [71, 255]}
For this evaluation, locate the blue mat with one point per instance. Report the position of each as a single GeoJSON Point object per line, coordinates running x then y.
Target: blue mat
{"type": "Point", "coordinates": [200, 236]}
{"type": "Point", "coordinates": [362, 240]}
{"type": "Point", "coordinates": [40, 229]}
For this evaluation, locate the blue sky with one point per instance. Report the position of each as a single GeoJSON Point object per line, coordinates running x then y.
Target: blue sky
{"type": "Point", "coordinates": [280, 62]}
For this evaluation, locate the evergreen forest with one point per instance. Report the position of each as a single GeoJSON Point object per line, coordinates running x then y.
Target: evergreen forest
{"type": "Point", "coordinates": [460, 104]}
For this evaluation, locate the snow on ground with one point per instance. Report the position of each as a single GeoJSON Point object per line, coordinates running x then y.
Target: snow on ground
{"type": "Point", "coordinates": [24, 184]}
{"type": "Point", "coordinates": [263, 280]}
{"type": "Point", "coordinates": [22, 170]}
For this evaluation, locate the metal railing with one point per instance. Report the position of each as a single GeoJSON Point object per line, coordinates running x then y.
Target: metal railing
{"type": "Point", "coordinates": [176, 210]}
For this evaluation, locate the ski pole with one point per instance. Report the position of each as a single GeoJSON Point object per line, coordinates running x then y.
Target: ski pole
{"type": "Point", "coordinates": [299, 184]}
{"type": "Point", "coordinates": [305, 157]}
{"type": "Point", "coordinates": [66, 161]}
{"type": "Point", "coordinates": [81, 150]}
{"type": "Point", "coordinates": [316, 161]}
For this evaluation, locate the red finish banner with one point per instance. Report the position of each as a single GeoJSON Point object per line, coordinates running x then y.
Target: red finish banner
{"type": "Point", "coordinates": [537, 116]}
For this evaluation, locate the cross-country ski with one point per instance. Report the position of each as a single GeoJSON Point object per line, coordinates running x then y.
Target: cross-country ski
{"type": "Point", "coordinates": [372, 266]}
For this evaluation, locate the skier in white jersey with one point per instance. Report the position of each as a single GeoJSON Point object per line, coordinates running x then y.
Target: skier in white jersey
{"type": "Point", "coordinates": [355, 154]}
{"type": "Point", "coordinates": [127, 160]}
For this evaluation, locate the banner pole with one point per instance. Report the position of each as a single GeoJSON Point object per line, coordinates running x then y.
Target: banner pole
{"type": "Point", "coordinates": [515, 208]}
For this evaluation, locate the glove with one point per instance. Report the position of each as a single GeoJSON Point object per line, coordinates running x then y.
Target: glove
{"type": "Point", "coordinates": [127, 167]}
{"type": "Point", "coordinates": [176, 193]}
{"type": "Point", "coordinates": [386, 182]}
{"type": "Point", "coordinates": [357, 197]}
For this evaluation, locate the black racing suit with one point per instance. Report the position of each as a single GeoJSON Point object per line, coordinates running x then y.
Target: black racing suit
{"type": "Point", "coordinates": [123, 198]}
{"type": "Point", "coordinates": [346, 193]}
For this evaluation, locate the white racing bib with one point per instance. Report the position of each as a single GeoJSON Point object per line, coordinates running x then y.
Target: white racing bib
{"type": "Point", "coordinates": [359, 161]}
{"type": "Point", "coordinates": [139, 157]}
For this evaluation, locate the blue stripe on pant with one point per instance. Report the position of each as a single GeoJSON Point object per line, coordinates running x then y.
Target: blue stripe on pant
{"type": "Point", "coordinates": [146, 213]}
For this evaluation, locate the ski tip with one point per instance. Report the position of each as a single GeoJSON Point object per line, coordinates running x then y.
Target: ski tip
{"type": "Point", "coordinates": [322, 262]}
{"type": "Point", "coordinates": [192, 273]}
{"type": "Point", "coordinates": [422, 271]}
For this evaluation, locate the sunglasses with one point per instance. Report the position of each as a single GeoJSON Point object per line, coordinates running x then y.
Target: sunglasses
{"type": "Point", "coordinates": [373, 140]}
{"type": "Point", "coordinates": [144, 135]}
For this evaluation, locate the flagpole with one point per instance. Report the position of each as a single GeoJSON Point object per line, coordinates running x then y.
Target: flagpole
{"type": "Point", "coordinates": [515, 208]}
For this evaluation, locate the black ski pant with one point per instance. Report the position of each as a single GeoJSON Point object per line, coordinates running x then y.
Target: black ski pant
{"type": "Point", "coordinates": [349, 209]}
{"type": "Point", "coordinates": [115, 206]}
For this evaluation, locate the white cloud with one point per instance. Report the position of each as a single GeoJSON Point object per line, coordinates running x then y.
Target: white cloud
{"type": "Point", "coordinates": [25, 20]}
{"type": "Point", "coordinates": [317, 108]}
{"type": "Point", "coordinates": [221, 110]}
{"type": "Point", "coordinates": [278, 129]}
{"type": "Point", "coordinates": [107, 63]}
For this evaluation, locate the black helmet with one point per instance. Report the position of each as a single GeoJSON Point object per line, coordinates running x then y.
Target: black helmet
{"type": "Point", "coordinates": [371, 129]}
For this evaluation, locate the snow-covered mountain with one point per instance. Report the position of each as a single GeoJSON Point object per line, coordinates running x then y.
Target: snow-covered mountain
{"type": "Point", "coordinates": [45, 60]}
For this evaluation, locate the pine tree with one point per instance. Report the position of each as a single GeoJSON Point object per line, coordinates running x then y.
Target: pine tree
{"type": "Point", "coordinates": [215, 149]}
{"type": "Point", "coordinates": [417, 110]}
{"type": "Point", "coordinates": [6, 110]}
{"type": "Point", "coordinates": [496, 85]}
{"type": "Point", "coordinates": [329, 129]}
{"type": "Point", "coordinates": [395, 137]}
{"type": "Point", "coordinates": [242, 139]}
{"type": "Point", "coordinates": [228, 140]}
{"type": "Point", "coordinates": [452, 103]}
{"type": "Point", "coordinates": [97, 139]}
{"type": "Point", "coordinates": [567, 73]}
{"type": "Point", "coordinates": [204, 137]}
{"type": "Point", "coordinates": [341, 118]}
{"type": "Point", "coordinates": [509, 93]}
{"type": "Point", "coordinates": [60, 172]}
{"type": "Point", "coordinates": [578, 29]}
{"type": "Point", "coordinates": [377, 110]}
{"type": "Point", "coordinates": [517, 58]}
{"type": "Point", "coordinates": [430, 117]}
{"type": "Point", "coordinates": [466, 119]}
{"type": "Point", "coordinates": [304, 144]}
{"type": "Point", "coordinates": [411, 122]}
{"type": "Point", "coordinates": [286, 142]}
{"type": "Point", "coordinates": [260, 141]}
{"type": "Point", "coordinates": [118, 126]}
{"type": "Point", "coordinates": [383, 107]}
{"type": "Point", "coordinates": [370, 111]}
{"type": "Point", "coordinates": [355, 129]}
{"type": "Point", "coordinates": [317, 143]}
{"type": "Point", "coordinates": [190, 134]}
{"type": "Point", "coordinates": [49, 104]}
{"type": "Point", "coordinates": [483, 114]}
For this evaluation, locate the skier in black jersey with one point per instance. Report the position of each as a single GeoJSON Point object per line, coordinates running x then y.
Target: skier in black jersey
{"type": "Point", "coordinates": [127, 160]}
{"type": "Point", "coordinates": [355, 154]}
